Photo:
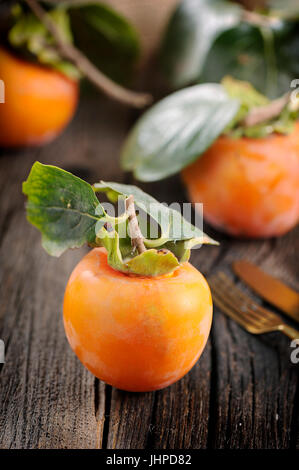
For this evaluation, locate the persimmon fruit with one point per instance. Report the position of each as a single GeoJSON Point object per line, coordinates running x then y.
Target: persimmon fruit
{"type": "Point", "coordinates": [248, 186]}
{"type": "Point", "coordinates": [136, 333]}
{"type": "Point", "coordinates": [138, 316]}
{"type": "Point", "coordinates": [39, 102]}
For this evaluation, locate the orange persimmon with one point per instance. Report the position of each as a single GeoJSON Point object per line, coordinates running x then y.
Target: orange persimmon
{"type": "Point", "coordinates": [248, 187]}
{"type": "Point", "coordinates": [39, 102]}
{"type": "Point", "coordinates": [136, 333]}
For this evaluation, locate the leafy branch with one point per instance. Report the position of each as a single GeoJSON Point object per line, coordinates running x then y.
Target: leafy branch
{"type": "Point", "coordinates": [176, 131]}
{"type": "Point", "coordinates": [85, 66]}
{"type": "Point", "coordinates": [68, 214]}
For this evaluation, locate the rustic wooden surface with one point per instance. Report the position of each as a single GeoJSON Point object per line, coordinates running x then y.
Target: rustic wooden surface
{"type": "Point", "coordinates": [243, 392]}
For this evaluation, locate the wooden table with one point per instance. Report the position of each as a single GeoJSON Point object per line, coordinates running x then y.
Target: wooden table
{"type": "Point", "coordinates": [243, 392]}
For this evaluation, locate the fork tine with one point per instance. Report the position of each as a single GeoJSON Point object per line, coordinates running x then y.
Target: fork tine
{"type": "Point", "coordinates": [252, 317]}
{"type": "Point", "coordinates": [237, 292]}
{"type": "Point", "coordinates": [262, 314]}
{"type": "Point", "coordinates": [266, 316]}
{"type": "Point", "coordinates": [232, 314]}
{"type": "Point", "coordinates": [235, 301]}
{"type": "Point", "coordinates": [224, 278]}
{"type": "Point", "coordinates": [231, 302]}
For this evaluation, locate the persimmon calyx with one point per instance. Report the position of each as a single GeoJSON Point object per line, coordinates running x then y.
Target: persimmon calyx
{"type": "Point", "coordinates": [68, 214]}
{"type": "Point", "coordinates": [150, 262]}
{"type": "Point", "coordinates": [258, 116]}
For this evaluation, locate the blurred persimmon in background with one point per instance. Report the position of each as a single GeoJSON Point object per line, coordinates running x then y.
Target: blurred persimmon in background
{"type": "Point", "coordinates": [46, 50]}
{"type": "Point", "coordinates": [39, 102]}
{"type": "Point", "coordinates": [249, 187]}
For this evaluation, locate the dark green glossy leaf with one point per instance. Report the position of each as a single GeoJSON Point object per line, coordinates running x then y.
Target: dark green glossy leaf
{"type": "Point", "coordinates": [62, 206]}
{"type": "Point", "coordinates": [175, 131]}
{"type": "Point", "coordinates": [266, 58]}
{"type": "Point", "coordinates": [190, 35]}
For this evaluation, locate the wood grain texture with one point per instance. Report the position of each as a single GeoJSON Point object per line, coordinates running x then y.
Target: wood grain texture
{"type": "Point", "coordinates": [48, 400]}
{"type": "Point", "coordinates": [243, 392]}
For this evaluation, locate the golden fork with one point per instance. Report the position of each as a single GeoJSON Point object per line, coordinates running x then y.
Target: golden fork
{"type": "Point", "coordinates": [245, 311]}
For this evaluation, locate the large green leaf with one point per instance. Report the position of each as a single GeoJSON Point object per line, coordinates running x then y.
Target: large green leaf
{"type": "Point", "coordinates": [194, 50]}
{"type": "Point", "coordinates": [175, 131]}
{"type": "Point", "coordinates": [268, 58]}
{"type": "Point", "coordinates": [62, 206]}
{"type": "Point", "coordinates": [173, 226]}
{"type": "Point", "coordinates": [68, 214]}
{"type": "Point", "coordinates": [190, 35]}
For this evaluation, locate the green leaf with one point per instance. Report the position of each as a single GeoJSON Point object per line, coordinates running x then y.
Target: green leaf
{"type": "Point", "coordinates": [173, 226]}
{"type": "Point", "coordinates": [177, 130]}
{"type": "Point", "coordinates": [190, 35]}
{"type": "Point", "coordinates": [102, 34]}
{"type": "Point", "coordinates": [97, 30]}
{"type": "Point", "coordinates": [68, 214]}
{"type": "Point", "coordinates": [62, 206]}
{"type": "Point", "coordinates": [267, 57]}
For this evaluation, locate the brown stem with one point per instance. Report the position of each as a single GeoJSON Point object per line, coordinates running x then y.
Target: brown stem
{"type": "Point", "coordinates": [262, 114]}
{"type": "Point", "coordinates": [135, 232]}
{"type": "Point", "coordinates": [74, 55]}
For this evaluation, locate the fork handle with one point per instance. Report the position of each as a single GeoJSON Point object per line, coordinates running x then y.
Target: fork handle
{"type": "Point", "coordinates": [289, 331]}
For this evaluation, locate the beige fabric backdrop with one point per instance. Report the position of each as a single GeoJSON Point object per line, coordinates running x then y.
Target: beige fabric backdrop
{"type": "Point", "coordinates": [148, 16]}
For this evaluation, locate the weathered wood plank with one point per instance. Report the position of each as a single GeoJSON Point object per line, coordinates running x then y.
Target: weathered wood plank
{"type": "Point", "coordinates": [48, 399]}
{"type": "Point", "coordinates": [181, 413]}
{"type": "Point", "coordinates": [254, 388]}
{"type": "Point", "coordinates": [242, 393]}
{"type": "Point", "coordinates": [255, 396]}
{"type": "Point", "coordinates": [130, 419]}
